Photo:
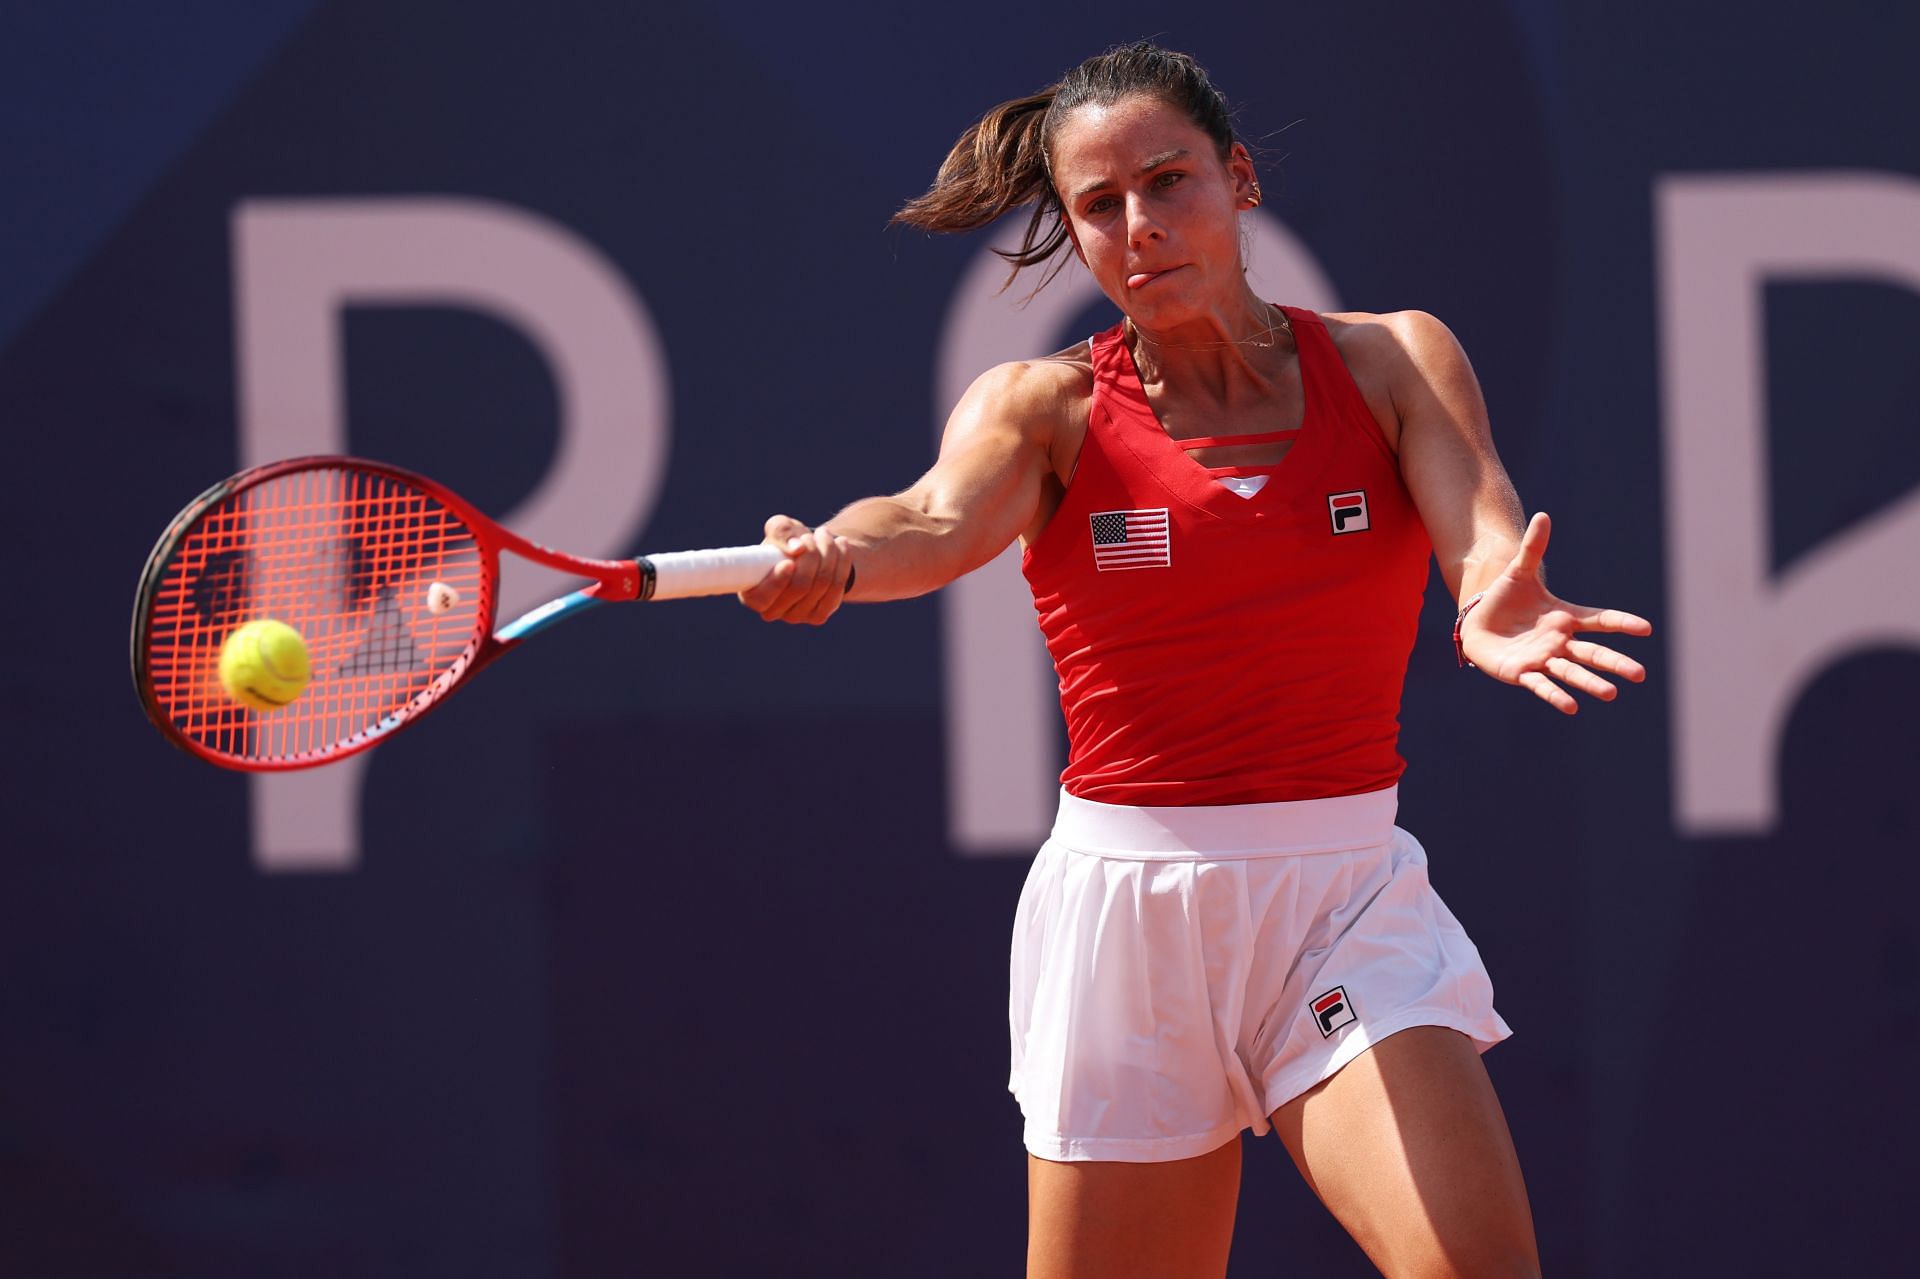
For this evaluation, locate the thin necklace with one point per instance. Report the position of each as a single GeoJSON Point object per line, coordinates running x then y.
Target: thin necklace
{"type": "Point", "coordinates": [1264, 338]}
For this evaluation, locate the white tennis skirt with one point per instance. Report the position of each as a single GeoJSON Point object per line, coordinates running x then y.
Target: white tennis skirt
{"type": "Point", "coordinates": [1181, 973]}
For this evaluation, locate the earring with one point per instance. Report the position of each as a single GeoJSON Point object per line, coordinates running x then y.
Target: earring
{"type": "Point", "coordinates": [1253, 197]}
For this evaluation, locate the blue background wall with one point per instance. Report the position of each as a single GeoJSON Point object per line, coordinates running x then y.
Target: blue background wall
{"type": "Point", "coordinates": [656, 956]}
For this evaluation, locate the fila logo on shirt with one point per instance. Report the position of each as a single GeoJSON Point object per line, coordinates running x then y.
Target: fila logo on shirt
{"type": "Point", "coordinates": [1332, 1010]}
{"type": "Point", "coordinates": [1348, 511]}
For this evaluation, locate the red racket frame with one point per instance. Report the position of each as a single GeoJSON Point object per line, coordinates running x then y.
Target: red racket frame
{"type": "Point", "coordinates": [163, 588]}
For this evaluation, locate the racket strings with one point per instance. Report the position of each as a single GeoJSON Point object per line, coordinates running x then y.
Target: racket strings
{"type": "Point", "coordinates": [344, 557]}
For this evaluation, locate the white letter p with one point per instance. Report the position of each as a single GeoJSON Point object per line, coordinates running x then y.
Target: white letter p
{"type": "Point", "coordinates": [1745, 645]}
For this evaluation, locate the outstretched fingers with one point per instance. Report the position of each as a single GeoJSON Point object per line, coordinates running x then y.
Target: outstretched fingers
{"type": "Point", "coordinates": [1552, 661]}
{"type": "Point", "coordinates": [1577, 676]}
{"type": "Point", "coordinates": [1611, 619]}
{"type": "Point", "coordinates": [1549, 692]}
{"type": "Point", "coordinates": [1602, 658]}
{"type": "Point", "coordinates": [1533, 546]}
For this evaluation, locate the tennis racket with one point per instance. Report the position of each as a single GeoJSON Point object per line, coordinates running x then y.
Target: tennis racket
{"type": "Point", "coordinates": [390, 579]}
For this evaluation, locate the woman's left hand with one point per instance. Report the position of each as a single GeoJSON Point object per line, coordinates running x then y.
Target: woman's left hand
{"type": "Point", "coordinates": [1520, 633]}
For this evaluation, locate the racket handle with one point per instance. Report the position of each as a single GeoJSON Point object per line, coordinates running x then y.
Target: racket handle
{"type": "Point", "coordinates": [677, 575]}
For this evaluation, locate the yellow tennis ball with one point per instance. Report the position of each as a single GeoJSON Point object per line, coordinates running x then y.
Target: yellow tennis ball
{"type": "Point", "coordinates": [264, 664]}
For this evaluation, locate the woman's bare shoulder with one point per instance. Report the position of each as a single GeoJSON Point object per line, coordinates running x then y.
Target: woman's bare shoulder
{"type": "Point", "coordinates": [1072, 369]}
{"type": "Point", "coordinates": [1368, 337]}
{"type": "Point", "coordinates": [1045, 386]}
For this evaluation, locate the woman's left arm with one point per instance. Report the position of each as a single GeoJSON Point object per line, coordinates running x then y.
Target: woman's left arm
{"type": "Point", "coordinates": [1515, 630]}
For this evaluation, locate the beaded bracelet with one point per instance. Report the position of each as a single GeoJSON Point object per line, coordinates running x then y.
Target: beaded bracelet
{"type": "Point", "coordinates": [1459, 650]}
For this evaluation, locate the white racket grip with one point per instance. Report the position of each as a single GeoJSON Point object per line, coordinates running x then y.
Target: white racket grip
{"type": "Point", "coordinates": [679, 575]}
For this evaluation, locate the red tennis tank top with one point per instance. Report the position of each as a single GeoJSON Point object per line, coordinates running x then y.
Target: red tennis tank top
{"type": "Point", "coordinates": [1215, 649]}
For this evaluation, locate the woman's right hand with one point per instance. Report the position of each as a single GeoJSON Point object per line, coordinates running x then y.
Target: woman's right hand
{"type": "Point", "coordinates": [809, 585]}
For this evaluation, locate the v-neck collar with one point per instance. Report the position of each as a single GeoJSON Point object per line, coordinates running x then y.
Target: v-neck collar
{"type": "Point", "coordinates": [1145, 435]}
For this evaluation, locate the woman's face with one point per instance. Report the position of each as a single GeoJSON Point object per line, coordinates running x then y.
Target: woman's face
{"type": "Point", "coordinates": [1152, 208]}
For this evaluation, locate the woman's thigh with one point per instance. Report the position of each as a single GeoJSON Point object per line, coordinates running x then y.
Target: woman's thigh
{"type": "Point", "coordinates": [1102, 1220]}
{"type": "Point", "coordinates": [1408, 1148]}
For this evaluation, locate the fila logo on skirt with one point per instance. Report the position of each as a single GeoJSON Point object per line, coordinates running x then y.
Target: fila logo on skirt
{"type": "Point", "coordinates": [1348, 511]}
{"type": "Point", "coordinates": [1332, 1010]}
{"type": "Point", "coordinates": [1131, 539]}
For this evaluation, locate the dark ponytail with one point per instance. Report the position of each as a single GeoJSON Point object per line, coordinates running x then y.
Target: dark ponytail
{"type": "Point", "coordinates": [1002, 162]}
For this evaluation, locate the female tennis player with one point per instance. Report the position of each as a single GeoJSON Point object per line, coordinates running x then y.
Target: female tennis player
{"type": "Point", "coordinates": [1227, 509]}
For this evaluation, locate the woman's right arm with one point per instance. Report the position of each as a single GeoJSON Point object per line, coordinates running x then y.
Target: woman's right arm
{"type": "Point", "coordinates": [983, 491]}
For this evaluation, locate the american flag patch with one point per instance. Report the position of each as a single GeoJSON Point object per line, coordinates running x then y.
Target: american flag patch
{"type": "Point", "coordinates": [1131, 539]}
